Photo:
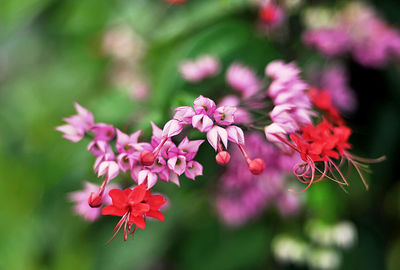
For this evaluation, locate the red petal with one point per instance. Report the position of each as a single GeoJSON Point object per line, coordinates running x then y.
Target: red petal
{"type": "Point", "coordinates": [138, 193]}
{"type": "Point", "coordinates": [119, 198]}
{"type": "Point", "coordinates": [148, 195]}
{"type": "Point", "coordinates": [316, 147]}
{"type": "Point", "coordinates": [127, 191]}
{"type": "Point", "coordinates": [139, 209]}
{"type": "Point", "coordinates": [156, 201]}
{"type": "Point", "coordinates": [138, 221]}
{"type": "Point", "coordinates": [156, 214]}
{"type": "Point", "coordinates": [112, 210]}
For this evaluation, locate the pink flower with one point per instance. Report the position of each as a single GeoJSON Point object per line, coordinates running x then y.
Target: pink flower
{"type": "Point", "coordinates": [170, 161]}
{"type": "Point", "coordinates": [147, 176]}
{"type": "Point", "coordinates": [202, 122]}
{"type": "Point", "coordinates": [225, 115]}
{"type": "Point", "coordinates": [193, 169]}
{"type": "Point", "coordinates": [180, 157]}
{"type": "Point", "coordinates": [241, 115]}
{"type": "Point", "coordinates": [190, 72]}
{"type": "Point", "coordinates": [204, 67]}
{"type": "Point", "coordinates": [172, 128]}
{"type": "Point", "coordinates": [126, 142]}
{"type": "Point", "coordinates": [105, 153]}
{"type": "Point", "coordinates": [109, 169]}
{"type": "Point", "coordinates": [274, 129]}
{"type": "Point", "coordinates": [203, 105]}
{"type": "Point", "coordinates": [243, 79]}
{"type": "Point", "coordinates": [184, 115]}
{"type": "Point", "coordinates": [209, 65]}
{"type": "Point", "coordinates": [331, 42]}
{"type": "Point", "coordinates": [292, 104]}
{"type": "Point", "coordinates": [177, 164]}
{"type": "Point", "coordinates": [357, 29]}
{"type": "Point", "coordinates": [77, 125]}
{"type": "Point", "coordinates": [127, 161]}
{"type": "Point", "coordinates": [103, 132]}
{"type": "Point", "coordinates": [215, 134]}
{"type": "Point", "coordinates": [235, 134]}
{"type": "Point", "coordinates": [99, 148]}
{"type": "Point", "coordinates": [80, 200]}
{"type": "Point", "coordinates": [281, 71]}
{"type": "Point", "coordinates": [71, 133]}
{"type": "Point", "coordinates": [190, 148]}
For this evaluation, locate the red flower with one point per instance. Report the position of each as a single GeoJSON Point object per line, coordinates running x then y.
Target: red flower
{"type": "Point", "coordinates": [319, 146]}
{"type": "Point", "coordinates": [134, 206]}
{"type": "Point", "coordinates": [322, 99]}
{"type": "Point", "coordinates": [322, 142]}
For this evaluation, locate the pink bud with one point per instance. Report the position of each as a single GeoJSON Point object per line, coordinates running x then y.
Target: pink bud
{"type": "Point", "coordinates": [146, 158]}
{"type": "Point", "coordinates": [223, 158]}
{"type": "Point", "coordinates": [256, 166]}
{"type": "Point", "coordinates": [95, 200]}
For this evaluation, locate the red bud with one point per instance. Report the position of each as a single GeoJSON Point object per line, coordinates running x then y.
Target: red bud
{"type": "Point", "coordinates": [146, 158]}
{"type": "Point", "coordinates": [95, 200]}
{"type": "Point", "coordinates": [256, 166]}
{"type": "Point", "coordinates": [223, 158]}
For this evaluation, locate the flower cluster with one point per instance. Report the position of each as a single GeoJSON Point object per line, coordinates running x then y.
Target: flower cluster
{"type": "Point", "coordinates": [217, 122]}
{"type": "Point", "coordinates": [312, 151]}
{"type": "Point", "coordinates": [323, 149]}
{"type": "Point", "coordinates": [359, 30]}
{"type": "Point", "coordinates": [292, 104]}
{"type": "Point", "coordinates": [161, 158]}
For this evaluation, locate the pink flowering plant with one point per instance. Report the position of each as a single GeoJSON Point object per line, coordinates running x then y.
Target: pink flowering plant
{"type": "Point", "coordinates": [217, 134]}
{"type": "Point", "coordinates": [266, 130]}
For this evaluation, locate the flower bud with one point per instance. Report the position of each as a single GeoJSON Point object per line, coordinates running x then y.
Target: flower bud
{"type": "Point", "coordinates": [256, 166]}
{"type": "Point", "coordinates": [223, 158]}
{"type": "Point", "coordinates": [146, 158]}
{"type": "Point", "coordinates": [95, 200]}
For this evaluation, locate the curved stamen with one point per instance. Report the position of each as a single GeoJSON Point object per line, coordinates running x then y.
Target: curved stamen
{"type": "Point", "coordinates": [312, 166]}
{"type": "Point", "coordinates": [118, 226]}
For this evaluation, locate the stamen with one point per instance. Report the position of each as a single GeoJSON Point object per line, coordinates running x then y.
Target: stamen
{"type": "Point", "coordinates": [118, 227]}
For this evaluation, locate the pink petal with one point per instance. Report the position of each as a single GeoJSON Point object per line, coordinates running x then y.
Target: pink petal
{"type": "Point", "coordinates": [173, 177]}
{"type": "Point", "coordinates": [216, 133]}
{"type": "Point", "coordinates": [172, 128]}
{"type": "Point", "coordinates": [235, 134]}
{"type": "Point", "coordinates": [202, 122]}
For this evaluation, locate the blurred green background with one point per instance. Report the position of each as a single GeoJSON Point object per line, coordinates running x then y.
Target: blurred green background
{"type": "Point", "coordinates": [51, 55]}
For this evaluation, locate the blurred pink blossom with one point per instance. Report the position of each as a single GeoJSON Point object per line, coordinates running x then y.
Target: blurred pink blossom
{"type": "Point", "coordinates": [203, 67]}
{"type": "Point", "coordinates": [243, 79]}
{"type": "Point", "coordinates": [357, 29]}
{"type": "Point", "coordinates": [243, 196]}
{"type": "Point", "coordinates": [80, 199]}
